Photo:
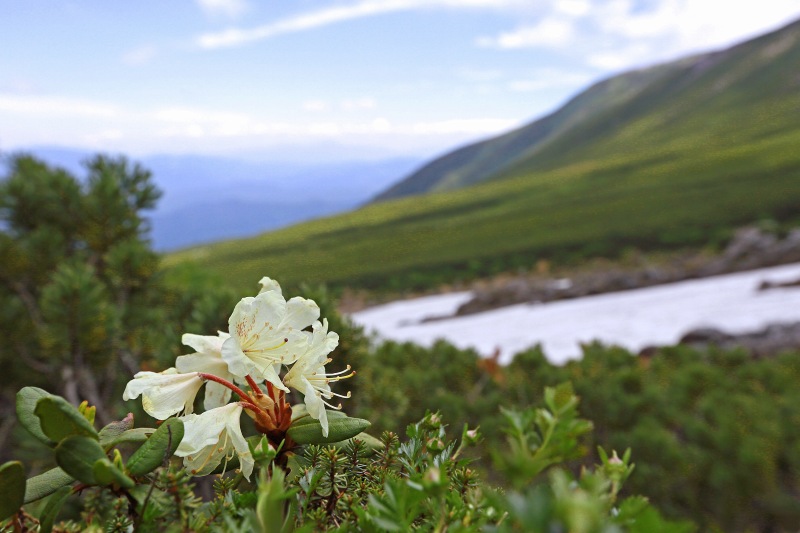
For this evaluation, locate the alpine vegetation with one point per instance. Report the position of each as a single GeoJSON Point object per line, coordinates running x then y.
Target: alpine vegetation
{"type": "Point", "coordinates": [307, 466]}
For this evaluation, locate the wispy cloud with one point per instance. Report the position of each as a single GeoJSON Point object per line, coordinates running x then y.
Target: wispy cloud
{"type": "Point", "coordinates": [633, 36]}
{"type": "Point", "coordinates": [56, 106]}
{"type": "Point", "coordinates": [324, 17]}
{"type": "Point", "coordinates": [617, 34]}
{"type": "Point", "coordinates": [550, 32]}
{"type": "Point", "coordinates": [228, 8]}
{"type": "Point", "coordinates": [477, 126]}
{"type": "Point", "coordinates": [572, 8]}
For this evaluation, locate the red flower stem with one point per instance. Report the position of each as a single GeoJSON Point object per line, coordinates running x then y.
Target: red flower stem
{"type": "Point", "coordinates": [225, 383]}
{"type": "Point", "coordinates": [270, 390]}
{"type": "Point", "coordinates": [254, 386]}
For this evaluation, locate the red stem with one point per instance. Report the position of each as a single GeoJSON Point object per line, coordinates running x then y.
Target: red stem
{"type": "Point", "coordinates": [242, 394]}
{"type": "Point", "coordinates": [254, 386]}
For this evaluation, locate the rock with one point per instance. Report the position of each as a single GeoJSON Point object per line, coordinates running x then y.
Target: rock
{"type": "Point", "coordinates": [749, 249]}
{"type": "Point", "coordinates": [768, 342]}
{"type": "Point", "coordinates": [766, 284]}
{"type": "Point", "coordinates": [704, 336]}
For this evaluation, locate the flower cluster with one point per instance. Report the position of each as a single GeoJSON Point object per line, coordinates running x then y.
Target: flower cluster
{"type": "Point", "coordinates": [265, 334]}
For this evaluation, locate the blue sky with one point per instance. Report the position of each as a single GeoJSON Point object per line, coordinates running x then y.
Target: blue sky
{"type": "Point", "coordinates": [343, 79]}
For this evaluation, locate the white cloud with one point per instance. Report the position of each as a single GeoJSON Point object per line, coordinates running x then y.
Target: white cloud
{"type": "Point", "coordinates": [140, 56]}
{"type": "Point", "coordinates": [573, 8]}
{"type": "Point", "coordinates": [228, 8]}
{"type": "Point", "coordinates": [324, 17]}
{"type": "Point", "coordinates": [621, 57]}
{"type": "Point", "coordinates": [176, 121]}
{"type": "Point", "coordinates": [551, 32]}
{"type": "Point", "coordinates": [479, 126]}
{"type": "Point", "coordinates": [670, 28]}
{"type": "Point", "coordinates": [56, 106]}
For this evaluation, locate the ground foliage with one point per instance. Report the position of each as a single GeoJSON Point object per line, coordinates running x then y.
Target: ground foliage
{"type": "Point", "coordinates": [717, 434]}
{"type": "Point", "coordinates": [421, 482]}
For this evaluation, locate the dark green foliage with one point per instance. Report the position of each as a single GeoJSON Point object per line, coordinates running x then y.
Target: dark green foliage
{"type": "Point", "coordinates": [84, 303]}
{"type": "Point", "coordinates": [715, 434]}
{"type": "Point", "coordinates": [46, 484]}
{"type": "Point", "coordinates": [157, 449]}
{"type": "Point", "coordinates": [12, 488]}
{"type": "Point", "coordinates": [59, 419]}
{"type": "Point", "coordinates": [76, 455]}
{"type": "Point", "coordinates": [307, 430]}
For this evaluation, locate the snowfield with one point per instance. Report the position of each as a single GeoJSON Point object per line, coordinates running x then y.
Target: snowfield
{"type": "Point", "coordinates": [631, 319]}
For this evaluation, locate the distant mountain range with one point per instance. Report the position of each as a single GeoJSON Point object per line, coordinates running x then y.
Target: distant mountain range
{"type": "Point", "coordinates": [671, 156]}
{"type": "Point", "coordinates": [213, 198]}
{"type": "Point", "coordinates": [632, 114]}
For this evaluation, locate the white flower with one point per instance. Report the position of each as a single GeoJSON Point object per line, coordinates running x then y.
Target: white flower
{"type": "Point", "coordinates": [208, 359]}
{"type": "Point", "coordinates": [267, 331]}
{"type": "Point", "coordinates": [164, 394]}
{"type": "Point", "coordinates": [213, 437]}
{"type": "Point", "coordinates": [308, 374]}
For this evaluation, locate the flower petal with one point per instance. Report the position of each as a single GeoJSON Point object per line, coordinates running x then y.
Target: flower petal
{"type": "Point", "coordinates": [238, 363]}
{"type": "Point", "coordinates": [268, 284]}
{"type": "Point", "coordinates": [164, 394]}
{"type": "Point", "coordinates": [301, 312]}
{"type": "Point", "coordinates": [204, 343]}
{"type": "Point", "coordinates": [316, 407]}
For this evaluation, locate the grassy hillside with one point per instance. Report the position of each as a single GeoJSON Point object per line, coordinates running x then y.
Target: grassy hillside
{"type": "Point", "coordinates": [689, 151]}
{"type": "Point", "coordinates": [635, 111]}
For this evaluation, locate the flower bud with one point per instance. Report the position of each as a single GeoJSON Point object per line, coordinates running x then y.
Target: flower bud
{"type": "Point", "coordinates": [435, 445]}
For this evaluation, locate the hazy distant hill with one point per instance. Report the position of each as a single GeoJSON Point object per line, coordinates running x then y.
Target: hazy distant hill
{"type": "Point", "coordinates": [211, 198]}
{"type": "Point", "coordinates": [630, 113]}
{"type": "Point", "coordinates": [670, 156]}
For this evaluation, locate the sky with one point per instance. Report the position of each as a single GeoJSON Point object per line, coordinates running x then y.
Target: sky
{"type": "Point", "coordinates": [337, 79]}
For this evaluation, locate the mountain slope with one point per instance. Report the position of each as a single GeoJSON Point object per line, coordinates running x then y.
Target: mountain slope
{"type": "Point", "coordinates": [678, 156]}
{"type": "Point", "coordinates": [622, 111]}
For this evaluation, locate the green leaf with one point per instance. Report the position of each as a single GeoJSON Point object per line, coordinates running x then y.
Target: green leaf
{"type": "Point", "coordinates": [12, 488]}
{"type": "Point", "coordinates": [105, 473]}
{"type": "Point", "coordinates": [60, 419]}
{"type": "Point", "coordinates": [161, 445]}
{"type": "Point", "coordinates": [136, 435]}
{"type": "Point", "coordinates": [54, 504]}
{"type": "Point", "coordinates": [373, 444]}
{"type": "Point", "coordinates": [77, 455]}
{"type": "Point", "coordinates": [339, 429]}
{"type": "Point", "coordinates": [561, 398]}
{"type": "Point", "coordinates": [46, 484]}
{"type": "Point", "coordinates": [305, 418]}
{"type": "Point", "coordinates": [26, 403]}
{"type": "Point", "coordinates": [109, 434]}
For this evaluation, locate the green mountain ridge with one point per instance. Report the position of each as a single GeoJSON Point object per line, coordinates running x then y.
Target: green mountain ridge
{"type": "Point", "coordinates": [670, 156]}
{"type": "Point", "coordinates": [603, 109]}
